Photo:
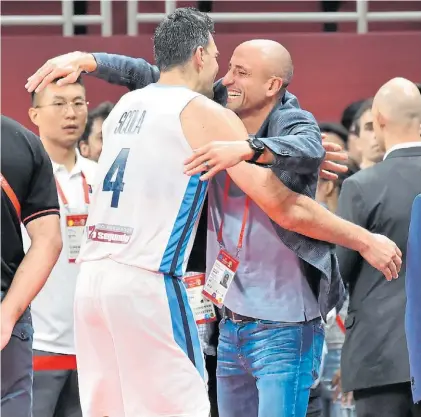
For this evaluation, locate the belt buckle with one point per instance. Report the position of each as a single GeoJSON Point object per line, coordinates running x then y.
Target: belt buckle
{"type": "Point", "coordinates": [233, 319]}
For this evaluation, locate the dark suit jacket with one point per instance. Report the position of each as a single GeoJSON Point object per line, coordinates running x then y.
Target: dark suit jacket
{"type": "Point", "coordinates": [380, 199]}
{"type": "Point", "coordinates": [294, 138]}
{"type": "Point", "coordinates": [413, 305]}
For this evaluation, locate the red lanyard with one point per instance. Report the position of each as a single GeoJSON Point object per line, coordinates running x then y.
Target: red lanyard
{"type": "Point", "coordinates": [245, 216]}
{"type": "Point", "coordinates": [85, 190]}
{"type": "Point", "coordinates": [10, 194]}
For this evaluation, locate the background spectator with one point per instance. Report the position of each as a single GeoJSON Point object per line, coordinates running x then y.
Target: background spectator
{"type": "Point", "coordinates": [60, 114]}
{"type": "Point", "coordinates": [375, 362]}
{"type": "Point", "coordinates": [335, 133]}
{"type": "Point", "coordinates": [366, 144]}
{"type": "Point", "coordinates": [349, 113]}
{"type": "Point", "coordinates": [347, 120]}
{"type": "Point", "coordinates": [90, 144]}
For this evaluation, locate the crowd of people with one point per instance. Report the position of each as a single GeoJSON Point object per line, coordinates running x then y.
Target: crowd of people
{"type": "Point", "coordinates": [280, 293]}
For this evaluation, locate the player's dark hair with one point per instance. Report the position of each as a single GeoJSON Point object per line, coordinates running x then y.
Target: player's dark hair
{"type": "Point", "coordinates": [34, 94]}
{"type": "Point", "coordinates": [179, 35]}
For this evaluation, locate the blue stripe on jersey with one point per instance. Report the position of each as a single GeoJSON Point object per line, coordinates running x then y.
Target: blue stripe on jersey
{"type": "Point", "coordinates": [184, 326]}
{"type": "Point", "coordinates": [173, 258]}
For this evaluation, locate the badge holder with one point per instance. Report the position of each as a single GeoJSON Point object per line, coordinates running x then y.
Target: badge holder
{"type": "Point", "coordinates": [75, 223]}
{"type": "Point", "coordinates": [226, 265]}
{"type": "Point", "coordinates": [203, 309]}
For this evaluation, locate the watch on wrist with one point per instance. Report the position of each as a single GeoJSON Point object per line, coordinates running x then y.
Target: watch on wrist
{"type": "Point", "coordinates": [257, 146]}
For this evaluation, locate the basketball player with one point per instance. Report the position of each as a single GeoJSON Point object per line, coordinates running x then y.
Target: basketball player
{"type": "Point", "coordinates": [136, 340]}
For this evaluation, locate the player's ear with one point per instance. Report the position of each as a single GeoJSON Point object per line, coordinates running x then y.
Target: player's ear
{"type": "Point", "coordinates": [199, 57]}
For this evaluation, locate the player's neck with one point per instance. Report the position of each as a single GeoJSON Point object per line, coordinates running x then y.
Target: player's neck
{"type": "Point", "coordinates": [60, 155]}
{"type": "Point", "coordinates": [177, 78]}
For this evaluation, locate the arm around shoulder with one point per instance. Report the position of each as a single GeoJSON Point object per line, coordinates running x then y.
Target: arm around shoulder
{"type": "Point", "coordinates": [295, 140]}
{"type": "Point", "coordinates": [133, 73]}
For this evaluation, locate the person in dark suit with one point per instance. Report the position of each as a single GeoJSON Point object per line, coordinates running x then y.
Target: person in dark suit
{"type": "Point", "coordinates": [374, 357]}
{"type": "Point", "coordinates": [413, 305]}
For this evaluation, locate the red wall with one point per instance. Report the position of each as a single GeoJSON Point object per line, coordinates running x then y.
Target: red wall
{"type": "Point", "coordinates": [331, 70]}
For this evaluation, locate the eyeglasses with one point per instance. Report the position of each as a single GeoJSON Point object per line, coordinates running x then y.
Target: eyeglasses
{"type": "Point", "coordinates": [63, 106]}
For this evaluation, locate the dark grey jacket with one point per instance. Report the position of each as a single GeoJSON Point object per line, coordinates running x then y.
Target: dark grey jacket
{"type": "Point", "coordinates": [379, 199]}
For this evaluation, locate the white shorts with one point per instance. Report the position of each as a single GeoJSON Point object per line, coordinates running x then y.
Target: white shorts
{"type": "Point", "coordinates": [137, 345]}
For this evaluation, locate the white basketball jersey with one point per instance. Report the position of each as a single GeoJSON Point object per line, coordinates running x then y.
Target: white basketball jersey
{"type": "Point", "coordinates": [144, 209]}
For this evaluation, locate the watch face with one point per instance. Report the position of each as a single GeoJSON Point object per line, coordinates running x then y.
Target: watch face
{"type": "Point", "coordinates": [259, 144]}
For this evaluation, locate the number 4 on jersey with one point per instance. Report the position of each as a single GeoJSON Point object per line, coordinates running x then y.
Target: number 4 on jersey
{"type": "Point", "coordinates": [117, 169]}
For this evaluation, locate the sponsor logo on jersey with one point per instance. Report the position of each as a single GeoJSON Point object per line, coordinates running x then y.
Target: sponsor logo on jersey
{"type": "Point", "coordinates": [110, 233]}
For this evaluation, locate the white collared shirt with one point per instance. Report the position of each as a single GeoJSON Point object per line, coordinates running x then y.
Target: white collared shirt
{"type": "Point", "coordinates": [52, 308]}
{"type": "Point", "coordinates": [402, 146]}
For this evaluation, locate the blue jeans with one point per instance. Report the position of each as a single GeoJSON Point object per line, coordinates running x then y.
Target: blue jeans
{"type": "Point", "coordinates": [266, 369]}
{"type": "Point", "coordinates": [17, 371]}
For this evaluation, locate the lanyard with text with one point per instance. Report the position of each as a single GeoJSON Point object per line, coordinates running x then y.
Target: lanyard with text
{"type": "Point", "coordinates": [85, 191]}
{"type": "Point", "coordinates": [75, 223]}
{"type": "Point", "coordinates": [226, 265]}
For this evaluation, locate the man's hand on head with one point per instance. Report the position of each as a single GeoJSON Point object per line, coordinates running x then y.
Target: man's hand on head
{"type": "Point", "coordinates": [67, 67]}
{"type": "Point", "coordinates": [330, 166]}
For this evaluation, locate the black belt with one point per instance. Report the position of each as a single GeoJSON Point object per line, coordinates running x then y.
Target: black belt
{"type": "Point", "coordinates": [236, 318]}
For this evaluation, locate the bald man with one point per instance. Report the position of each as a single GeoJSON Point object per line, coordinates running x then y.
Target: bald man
{"type": "Point", "coordinates": [271, 332]}
{"type": "Point", "coordinates": [375, 357]}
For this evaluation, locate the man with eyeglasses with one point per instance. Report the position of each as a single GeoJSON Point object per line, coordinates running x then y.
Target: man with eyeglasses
{"type": "Point", "coordinates": [60, 113]}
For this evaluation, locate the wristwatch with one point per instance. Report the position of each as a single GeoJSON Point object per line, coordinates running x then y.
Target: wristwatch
{"type": "Point", "coordinates": [257, 146]}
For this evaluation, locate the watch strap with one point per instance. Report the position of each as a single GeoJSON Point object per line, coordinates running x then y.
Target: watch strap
{"type": "Point", "coordinates": [257, 152]}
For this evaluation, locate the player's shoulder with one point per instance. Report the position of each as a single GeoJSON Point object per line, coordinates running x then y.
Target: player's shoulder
{"type": "Point", "coordinates": [129, 97]}
{"type": "Point", "coordinates": [209, 112]}
{"type": "Point", "coordinates": [210, 121]}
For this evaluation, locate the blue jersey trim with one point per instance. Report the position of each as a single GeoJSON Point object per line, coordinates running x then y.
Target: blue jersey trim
{"type": "Point", "coordinates": [173, 258]}
{"type": "Point", "coordinates": [184, 326]}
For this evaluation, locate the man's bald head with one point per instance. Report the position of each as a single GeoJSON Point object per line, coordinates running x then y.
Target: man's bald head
{"type": "Point", "coordinates": [398, 101]}
{"type": "Point", "coordinates": [397, 108]}
{"type": "Point", "coordinates": [259, 72]}
{"type": "Point", "coordinates": [274, 57]}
